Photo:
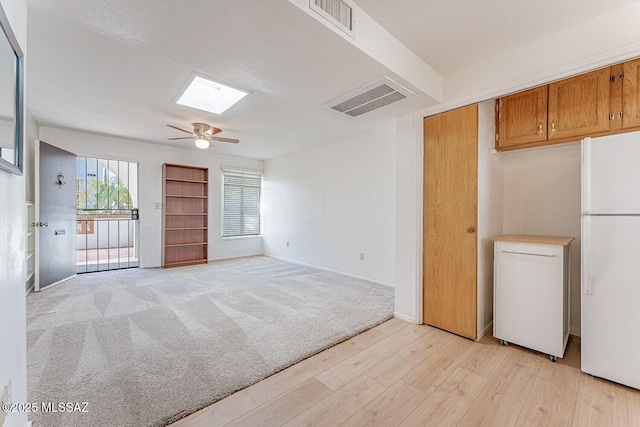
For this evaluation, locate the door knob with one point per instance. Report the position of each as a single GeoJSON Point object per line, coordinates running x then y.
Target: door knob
{"type": "Point", "coordinates": [471, 230]}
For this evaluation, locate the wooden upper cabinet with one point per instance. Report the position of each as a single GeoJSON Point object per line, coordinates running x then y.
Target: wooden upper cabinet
{"type": "Point", "coordinates": [631, 94]}
{"type": "Point", "coordinates": [602, 102]}
{"type": "Point", "coordinates": [615, 100]}
{"type": "Point", "coordinates": [522, 118]}
{"type": "Point", "coordinates": [579, 106]}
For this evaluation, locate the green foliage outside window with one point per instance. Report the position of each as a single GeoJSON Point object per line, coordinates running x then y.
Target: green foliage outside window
{"type": "Point", "coordinates": [103, 196]}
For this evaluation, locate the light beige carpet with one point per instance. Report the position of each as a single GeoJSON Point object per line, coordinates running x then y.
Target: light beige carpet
{"type": "Point", "coordinates": [145, 347]}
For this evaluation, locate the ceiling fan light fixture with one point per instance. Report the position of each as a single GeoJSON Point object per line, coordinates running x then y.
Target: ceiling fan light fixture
{"type": "Point", "coordinates": [202, 143]}
{"type": "Point", "coordinates": [202, 135]}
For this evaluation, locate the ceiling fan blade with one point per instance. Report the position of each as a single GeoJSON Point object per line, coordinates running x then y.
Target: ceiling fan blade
{"type": "Point", "coordinates": [233, 141]}
{"type": "Point", "coordinates": [213, 130]}
{"type": "Point", "coordinates": [186, 137]}
{"type": "Point", "coordinates": [185, 131]}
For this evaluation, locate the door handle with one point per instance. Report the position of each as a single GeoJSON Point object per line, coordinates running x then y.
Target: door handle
{"type": "Point", "coordinates": [471, 230]}
{"type": "Point", "coordinates": [585, 265]}
{"type": "Point", "coordinates": [40, 224]}
{"type": "Point", "coordinates": [528, 253]}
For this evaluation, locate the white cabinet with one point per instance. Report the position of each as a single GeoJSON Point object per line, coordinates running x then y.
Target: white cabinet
{"type": "Point", "coordinates": [531, 292]}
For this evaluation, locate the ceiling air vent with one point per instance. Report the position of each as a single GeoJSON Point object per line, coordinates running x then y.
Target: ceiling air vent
{"type": "Point", "coordinates": [338, 12]}
{"type": "Point", "coordinates": [369, 98]}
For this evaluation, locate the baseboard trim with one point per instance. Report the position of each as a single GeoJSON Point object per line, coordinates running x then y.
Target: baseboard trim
{"type": "Point", "coordinates": [404, 317]}
{"type": "Point", "coordinates": [208, 260]}
{"type": "Point", "coordinates": [233, 257]}
{"type": "Point", "coordinates": [485, 330]}
{"type": "Point", "coordinates": [328, 269]}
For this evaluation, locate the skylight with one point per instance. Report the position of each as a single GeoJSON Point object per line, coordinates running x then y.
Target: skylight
{"type": "Point", "coordinates": [210, 96]}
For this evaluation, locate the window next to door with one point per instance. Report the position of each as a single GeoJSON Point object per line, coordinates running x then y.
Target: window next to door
{"type": "Point", "coordinates": [241, 211]}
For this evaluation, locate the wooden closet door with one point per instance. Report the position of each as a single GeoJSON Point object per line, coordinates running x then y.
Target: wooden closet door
{"type": "Point", "coordinates": [450, 221]}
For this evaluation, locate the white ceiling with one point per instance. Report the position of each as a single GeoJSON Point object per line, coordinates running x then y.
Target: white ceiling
{"type": "Point", "coordinates": [116, 67]}
{"type": "Point", "coordinates": [453, 34]}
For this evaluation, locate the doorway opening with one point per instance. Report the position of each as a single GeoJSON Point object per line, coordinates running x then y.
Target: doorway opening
{"type": "Point", "coordinates": [107, 215]}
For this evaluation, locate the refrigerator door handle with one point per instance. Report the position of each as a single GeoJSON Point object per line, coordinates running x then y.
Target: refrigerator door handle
{"type": "Point", "coordinates": [586, 175]}
{"type": "Point", "coordinates": [586, 255]}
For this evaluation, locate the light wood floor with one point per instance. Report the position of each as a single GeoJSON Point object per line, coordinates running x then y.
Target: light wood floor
{"type": "Point", "coordinates": [398, 374]}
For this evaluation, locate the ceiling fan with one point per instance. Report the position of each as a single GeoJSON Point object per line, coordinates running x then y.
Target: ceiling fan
{"type": "Point", "coordinates": [203, 135]}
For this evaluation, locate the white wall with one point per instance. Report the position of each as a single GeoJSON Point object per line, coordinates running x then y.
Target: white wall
{"type": "Point", "coordinates": [542, 196]}
{"type": "Point", "coordinates": [12, 290]}
{"type": "Point", "coordinates": [13, 350]}
{"type": "Point", "coordinates": [409, 185]}
{"type": "Point", "coordinates": [150, 158]}
{"type": "Point", "coordinates": [6, 134]}
{"type": "Point", "coordinates": [598, 42]}
{"type": "Point", "coordinates": [490, 208]}
{"type": "Point", "coordinates": [333, 202]}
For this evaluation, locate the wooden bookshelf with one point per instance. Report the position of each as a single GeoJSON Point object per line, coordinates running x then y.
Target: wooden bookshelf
{"type": "Point", "coordinates": [185, 193]}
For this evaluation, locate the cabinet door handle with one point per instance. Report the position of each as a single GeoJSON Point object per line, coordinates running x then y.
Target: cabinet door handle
{"type": "Point", "coordinates": [540, 127]}
{"type": "Point", "coordinates": [553, 126]}
{"type": "Point", "coordinates": [528, 253]}
{"type": "Point", "coordinates": [471, 230]}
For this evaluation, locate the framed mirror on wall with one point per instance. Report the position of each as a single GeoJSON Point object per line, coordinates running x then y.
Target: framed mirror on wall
{"type": "Point", "coordinates": [11, 99]}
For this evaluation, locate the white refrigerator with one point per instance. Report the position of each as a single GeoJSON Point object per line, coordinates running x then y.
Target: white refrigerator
{"type": "Point", "coordinates": [610, 252]}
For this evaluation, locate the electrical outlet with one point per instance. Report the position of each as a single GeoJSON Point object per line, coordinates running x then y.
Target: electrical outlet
{"type": "Point", "coordinates": [159, 206]}
{"type": "Point", "coordinates": [361, 256]}
{"type": "Point", "coordinates": [287, 244]}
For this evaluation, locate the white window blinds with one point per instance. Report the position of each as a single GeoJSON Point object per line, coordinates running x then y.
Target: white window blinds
{"type": "Point", "coordinates": [241, 203]}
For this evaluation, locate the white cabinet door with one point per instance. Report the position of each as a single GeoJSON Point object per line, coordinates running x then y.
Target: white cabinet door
{"type": "Point", "coordinates": [611, 298]}
{"type": "Point", "coordinates": [529, 296]}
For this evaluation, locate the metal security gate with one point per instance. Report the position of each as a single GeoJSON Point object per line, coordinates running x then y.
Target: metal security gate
{"type": "Point", "coordinates": [108, 244]}
{"type": "Point", "coordinates": [107, 224]}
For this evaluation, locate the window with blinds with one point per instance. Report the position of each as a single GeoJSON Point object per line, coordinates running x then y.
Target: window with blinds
{"type": "Point", "coordinates": [241, 204]}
